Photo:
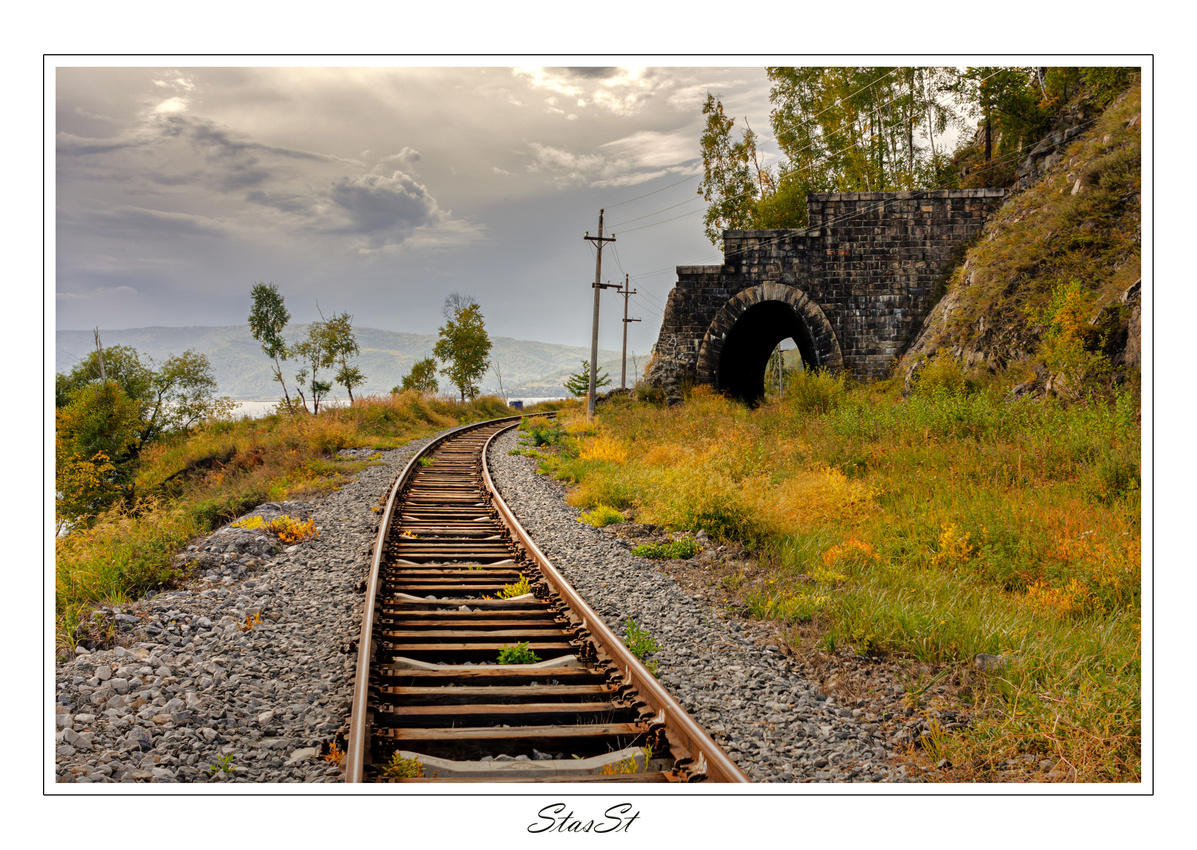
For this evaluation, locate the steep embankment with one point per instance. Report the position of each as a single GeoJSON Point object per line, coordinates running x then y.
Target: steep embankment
{"type": "Point", "coordinates": [1068, 237]}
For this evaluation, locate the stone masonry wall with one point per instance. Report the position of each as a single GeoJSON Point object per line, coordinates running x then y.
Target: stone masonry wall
{"type": "Point", "coordinates": [873, 261]}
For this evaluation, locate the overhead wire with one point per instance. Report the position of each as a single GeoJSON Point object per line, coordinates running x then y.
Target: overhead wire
{"type": "Point", "coordinates": [994, 163]}
{"type": "Point", "coordinates": [655, 306]}
{"type": "Point", "coordinates": [808, 122]}
{"type": "Point", "coordinates": [653, 192]}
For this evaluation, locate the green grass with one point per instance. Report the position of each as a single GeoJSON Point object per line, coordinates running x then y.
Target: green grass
{"type": "Point", "coordinates": [641, 644]}
{"type": "Point", "coordinates": [520, 653]}
{"type": "Point", "coordinates": [601, 516]}
{"type": "Point", "coordinates": [193, 483]}
{"type": "Point", "coordinates": [954, 522]}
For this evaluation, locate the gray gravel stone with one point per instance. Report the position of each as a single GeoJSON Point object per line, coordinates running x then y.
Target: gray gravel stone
{"type": "Point", "coordinates": [772, 723]}
{"type": "Point", "coordinates": [189, 690]}
{"type": "Point", "coordinates": [192, 695]}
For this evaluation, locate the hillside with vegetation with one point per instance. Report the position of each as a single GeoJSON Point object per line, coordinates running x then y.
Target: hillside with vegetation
{"type": "Point", "coordinates": [968, 533]}
{"type": "Point", "coordinates": [1050, 293]}
{"type": "Point", "coordinates": [148, 455]}
{"type": "Point", "coordinates": [528, 368]}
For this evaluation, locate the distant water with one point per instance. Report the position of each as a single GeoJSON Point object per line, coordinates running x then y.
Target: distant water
{"type": "Point", "coordinates": [261, 407]}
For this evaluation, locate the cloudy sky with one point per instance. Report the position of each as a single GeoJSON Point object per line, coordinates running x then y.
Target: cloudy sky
{"type": "Point", "coordinates": [378, 191]}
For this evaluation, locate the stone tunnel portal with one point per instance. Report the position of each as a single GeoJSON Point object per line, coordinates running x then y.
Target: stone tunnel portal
{"type": "Point", "coordinates": [751, 340]}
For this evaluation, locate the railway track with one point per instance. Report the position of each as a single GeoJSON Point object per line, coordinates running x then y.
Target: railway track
{"type": "Point", "coordinates": [454, 581]}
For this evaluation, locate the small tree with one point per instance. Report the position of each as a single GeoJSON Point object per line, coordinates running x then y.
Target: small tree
{"type": "Point", "coordinates": [578, 384]}
{"type": "Point", "coordinates": [268, 317]}
{"type": "Point", "coordinates": [122, 364]}
{"type": "Point", "coordinates": [172, 398]}
{"type": "Point", "coordinates": [464, 346]}
{"type": "Point", "coordinates": [339, 345]}
{"type": "Point", "coordinates": [312, 354]}
{"type": "Point", "coordinates": [102, 424]}
{"type": "Point", "coordinates": [97, 437]}
{"type": "Point", "coordinates": [183, 394]}
{"type": "Point", "coordinates": [421, 378]}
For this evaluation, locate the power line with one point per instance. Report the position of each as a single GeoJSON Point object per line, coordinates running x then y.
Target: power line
{"type": "Point", "coordinates": [651, 214]}
{"type": "Point", "coordinates": [808, 123]}
{"type": "Point", "coordinates": [654, 191]}
{"type": "Point", "coordinates": [859, 212]}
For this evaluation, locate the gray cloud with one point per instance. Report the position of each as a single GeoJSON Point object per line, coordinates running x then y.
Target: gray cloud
{"type": "Point", "coordinates": [190, 184]}
{"type": "Point", "coordinates": [287, 202]}
{"type": "Point", "coordinates": [142, 222]}
{"type": "Point", "coordinates": [385, 209]}
{"type": "Point", "coordinates": [587, 73]}
{"type": "Point", "coordinates": [215, 140]}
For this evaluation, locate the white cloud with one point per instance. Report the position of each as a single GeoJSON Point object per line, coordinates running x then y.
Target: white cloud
{"type": "Point", "coordinates": [620, 91]}
{"type": "Point", "coordinates": [407, 156]}
{"type": "Point", "coordinates": [628, 161]}
{"type": "Point", "coordinates": [177, 82]}
{"type": "Point", "coordinates": [650, 149]}
{"type": "Point", "coordinates": [171, 106]}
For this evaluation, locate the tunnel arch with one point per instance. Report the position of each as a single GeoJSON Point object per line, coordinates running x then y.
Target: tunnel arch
{"type": "Point", "coordinates": [736, 347]}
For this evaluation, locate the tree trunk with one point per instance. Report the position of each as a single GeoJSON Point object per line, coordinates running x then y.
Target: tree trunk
{"type": "Point", "coordinates": [279, 371]}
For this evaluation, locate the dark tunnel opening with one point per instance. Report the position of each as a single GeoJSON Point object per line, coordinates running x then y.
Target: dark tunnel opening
{"type": "Point", "coordinates": [750, 342]}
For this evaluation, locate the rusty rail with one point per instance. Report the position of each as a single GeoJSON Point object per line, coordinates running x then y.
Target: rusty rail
{"type": "Point", "coordinates": [592, 695]}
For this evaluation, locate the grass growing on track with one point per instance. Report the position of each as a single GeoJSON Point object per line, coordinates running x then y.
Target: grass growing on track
{"type": "Point", "coordinates": [957, 522]}
{"type": "Point", "coordinates": [195, 482]}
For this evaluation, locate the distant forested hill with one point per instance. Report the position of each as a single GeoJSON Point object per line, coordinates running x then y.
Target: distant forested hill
{"type": "Point", "coordinates": [243, 371]}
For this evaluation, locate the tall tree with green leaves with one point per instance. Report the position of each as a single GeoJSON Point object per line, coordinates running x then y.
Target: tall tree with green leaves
{"type": "Point", "coordinates": [839, 129]}
{"type": "Point", "coordinates": [340, 345]}
{"type": "Point", "coordinates": [313, 356]}
{"type": "Point", "coordinates": [1006, 100]}
{"type": "Point", "coordinates": [268, 316]}
{"type": "Point", "coordinates": [463, 346]}
{"type": "Point", "coordinates": [859, 128]}
{"type": "Point", "coordinates": [727, 182]}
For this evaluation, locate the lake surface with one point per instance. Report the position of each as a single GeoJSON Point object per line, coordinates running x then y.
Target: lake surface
{"type": "Point", "coordinates": [260, 407]}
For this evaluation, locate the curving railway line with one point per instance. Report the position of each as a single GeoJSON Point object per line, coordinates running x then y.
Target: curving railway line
{"type": "Point", "coordinates": [454, 581]}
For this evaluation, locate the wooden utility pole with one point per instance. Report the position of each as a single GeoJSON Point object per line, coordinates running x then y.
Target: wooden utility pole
{"type": "Point", "coordinates": [598, 285]}
{"type": "Point", "coordinates": [623, 371]}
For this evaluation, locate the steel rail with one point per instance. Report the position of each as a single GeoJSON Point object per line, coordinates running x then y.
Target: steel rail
{"type": "Point", "coordinates": [686, 738]}
{"type": "Point", "coordinates": [358, 740]}
{"type": "Point", "coordinates": [695, 755]}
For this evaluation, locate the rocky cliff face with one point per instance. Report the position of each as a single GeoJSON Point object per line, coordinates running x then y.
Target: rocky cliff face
{"type": "Point", "coordinates": [1074, 215]}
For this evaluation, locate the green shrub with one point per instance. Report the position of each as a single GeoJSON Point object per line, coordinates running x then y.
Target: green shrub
{"type": "Point", "coordinates": [815, 391]}
{"type": "Point", "coordinates": [683, 547]}
{"type": "Point", "coordinates": [944, 374]}
{"type": "Point", "coordinates": [601, 516]}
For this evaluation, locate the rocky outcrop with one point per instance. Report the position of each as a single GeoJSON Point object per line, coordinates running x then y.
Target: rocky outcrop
{"type": "Point", "coordinates": [1050, 150]}
{"type": "Point", "coordinates": [1062, 222]}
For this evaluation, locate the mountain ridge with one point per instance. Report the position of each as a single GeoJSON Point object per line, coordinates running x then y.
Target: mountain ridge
{"type": "Point", "coordinates": [244, 372]}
